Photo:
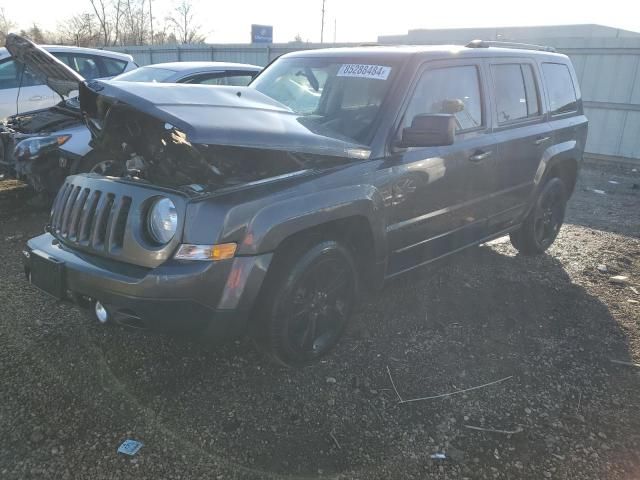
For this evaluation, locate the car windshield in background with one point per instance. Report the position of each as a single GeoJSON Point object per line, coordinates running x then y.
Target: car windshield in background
{"type": "Point", "coordinates": [146, 74]}
{"type": "Point", "coordinates": [338, 96]}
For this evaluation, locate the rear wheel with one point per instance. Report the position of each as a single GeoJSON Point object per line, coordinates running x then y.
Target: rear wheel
{"type": "Point", "coordinates": [307, 304]}
{"type": "Point", "coordinates": [542, 225]}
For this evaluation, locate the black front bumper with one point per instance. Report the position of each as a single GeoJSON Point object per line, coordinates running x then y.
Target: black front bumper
{"type": "Point", "coordinates": [209, 299]}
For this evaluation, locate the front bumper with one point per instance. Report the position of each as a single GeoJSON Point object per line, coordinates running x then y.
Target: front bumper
{"type": "Point", "coordinates": [211, 299]}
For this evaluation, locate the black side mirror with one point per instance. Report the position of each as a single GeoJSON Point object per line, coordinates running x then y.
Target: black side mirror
{"type": "Point", "coordinates": [429, 130]}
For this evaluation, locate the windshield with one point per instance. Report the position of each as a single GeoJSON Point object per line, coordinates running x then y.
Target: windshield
{"type": "Point", "coordinates": [343, 97]}
{"type": "Point", "coordinates": [146, 74]}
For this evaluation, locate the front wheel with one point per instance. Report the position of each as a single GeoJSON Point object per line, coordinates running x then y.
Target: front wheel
{"type": "Point", "coordinates": [307, 304]}
{"type": "Point", "coordinates": [542, 225]}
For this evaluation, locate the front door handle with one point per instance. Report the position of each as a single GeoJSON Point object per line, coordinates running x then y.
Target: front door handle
{"type": "Point", "coordinates": [35, 98]}
{"type": "Point", "coordinates": [541, 140]}
{"type": "Point", "coordinates": [479, 156]}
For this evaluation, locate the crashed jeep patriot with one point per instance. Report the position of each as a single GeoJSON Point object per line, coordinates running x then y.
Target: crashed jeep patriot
{"type": "Point", "coordinates": [266, 209]}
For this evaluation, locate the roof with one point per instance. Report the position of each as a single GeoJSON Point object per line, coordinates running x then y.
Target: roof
{"type": "Point", "coordinates": [530, 34]}
{"type": "Point", "coordinates": [182, 66]}
{"type": "Point", "coordinates": [88, 51]}
{"type": "Point", "coordinates": [405, 51]}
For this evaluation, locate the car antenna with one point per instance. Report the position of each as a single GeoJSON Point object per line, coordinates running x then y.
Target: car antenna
{"type": "Point", "coordinates": [19, 86]}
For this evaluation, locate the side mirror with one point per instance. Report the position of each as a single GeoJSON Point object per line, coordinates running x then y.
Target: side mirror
{"type": "Point", "coordinates": [429, 130]}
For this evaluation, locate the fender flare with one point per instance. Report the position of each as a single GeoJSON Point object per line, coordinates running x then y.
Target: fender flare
{"type": "Point", "coordinates": [558, 153]}
{"type": "Point", "coordinates": [552, 156]}
{"type": "Point", "coordinates": [274, 223]}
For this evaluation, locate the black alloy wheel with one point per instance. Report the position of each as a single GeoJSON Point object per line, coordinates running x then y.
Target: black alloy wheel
{"type": "Point", "coordinates": [310, 304]}
{"type": "Point", "coordinates": [542, 225]}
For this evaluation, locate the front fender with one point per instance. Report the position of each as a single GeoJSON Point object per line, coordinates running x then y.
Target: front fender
{"type": "Point", "coordinates": [277, 221]}
{"type": "Point", "coordinates": [78, 144]}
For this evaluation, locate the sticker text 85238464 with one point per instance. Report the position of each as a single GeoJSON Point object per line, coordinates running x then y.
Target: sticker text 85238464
{"type": "Point", "coordinates": [379, 72]}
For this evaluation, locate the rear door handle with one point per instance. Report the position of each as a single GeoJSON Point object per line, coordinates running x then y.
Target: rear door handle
{"type": "Point", "coordinates": [479, 156]}
{"type": "Point", "coordinates": [541, 140]}
{"type": "Point", "coordinates": [35, 98]}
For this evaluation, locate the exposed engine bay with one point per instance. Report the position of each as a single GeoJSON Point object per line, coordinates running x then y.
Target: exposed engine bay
{"type": "Point", "coordinates": [49, 120]}
{"type": "Point", "coordinates": [40, 173]}
{"type": "Point", "coordinates": [142, 147]}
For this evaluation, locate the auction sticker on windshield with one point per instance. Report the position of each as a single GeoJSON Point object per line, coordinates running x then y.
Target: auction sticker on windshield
{"type": "Point", "coordinates": [379, 72]}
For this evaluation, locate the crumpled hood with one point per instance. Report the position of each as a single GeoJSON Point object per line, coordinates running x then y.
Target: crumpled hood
{"type": "Point", "coordinates": [59, 77]}
{"type": "Point", "coordinates": [219, 115]}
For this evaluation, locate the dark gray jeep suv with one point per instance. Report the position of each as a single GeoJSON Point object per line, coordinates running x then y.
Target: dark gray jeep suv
{"type": "Point", "coordinates": [267, 208]}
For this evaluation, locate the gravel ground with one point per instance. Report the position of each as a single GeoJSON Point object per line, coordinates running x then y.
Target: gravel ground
{"type": "Point", "coordinates": [72, 391]}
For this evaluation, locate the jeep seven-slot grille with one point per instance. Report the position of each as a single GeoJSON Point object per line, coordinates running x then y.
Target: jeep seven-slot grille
{"type": "Point", "coordinates": [90, 218]}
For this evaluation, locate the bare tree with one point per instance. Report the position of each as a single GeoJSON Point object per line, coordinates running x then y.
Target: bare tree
{"type": "Point", "coordinates": [6, 25]}
{"type": "Point", "coordinates": [134, 23]}
{"type": "Point", "coordinates": [37, 35]}
{"type": "Point", "coordinates": [184, 27]}
{"type": "Point", "coordinates": [81, 30]}
{"type": "Point", "coordinates": [117, 16]}
{"type": "Point", "coordinates": [100, 8]}
{"type": "Point", "coordinates": [127, 22]}
{"type": "Point", "coordinates": [151, 21]}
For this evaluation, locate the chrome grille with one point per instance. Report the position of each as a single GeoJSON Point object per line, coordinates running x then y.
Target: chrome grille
{"type": "Point", "coordinates": [90, 218]}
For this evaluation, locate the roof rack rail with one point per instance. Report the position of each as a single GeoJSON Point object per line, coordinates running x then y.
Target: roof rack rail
{"type": "Point", "coordinates": [523, 46]}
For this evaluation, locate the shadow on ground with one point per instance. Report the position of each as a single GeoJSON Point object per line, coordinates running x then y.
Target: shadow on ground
{"type": "Point", "coordinates": [72, 390]}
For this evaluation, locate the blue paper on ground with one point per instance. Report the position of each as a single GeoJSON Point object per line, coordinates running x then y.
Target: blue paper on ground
{"type": "Point", "coordinates": [130, 447]}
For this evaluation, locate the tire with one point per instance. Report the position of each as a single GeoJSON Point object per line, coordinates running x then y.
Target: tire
{"type": "Point", "coordinates": [307, 303]}
{"type": "Point", "coordinates": [542, 225]}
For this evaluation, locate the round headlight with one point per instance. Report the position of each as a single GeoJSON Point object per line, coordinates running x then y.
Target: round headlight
{"type": "Point", "coordinates": [163, 220]}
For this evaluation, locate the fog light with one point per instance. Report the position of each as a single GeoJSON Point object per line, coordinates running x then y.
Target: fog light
{"type": "Point", "coordinates": [101, 313]}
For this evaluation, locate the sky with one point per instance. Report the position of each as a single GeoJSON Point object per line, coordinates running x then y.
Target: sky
{"type": "Point", "coordinates": [356, 20]}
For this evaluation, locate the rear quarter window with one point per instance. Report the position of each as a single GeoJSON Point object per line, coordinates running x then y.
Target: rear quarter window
{"type": "Point", "coordinates": [112, 67]}
{"type": "Point", "coordinates": [562, 92]}
{"type": "Point", "coordinates": [236, 79]}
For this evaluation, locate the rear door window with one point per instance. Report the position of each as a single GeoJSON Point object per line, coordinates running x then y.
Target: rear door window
{"type": "Point", "coordinates": [531, 89]}
{"type": "Point", "coordinates": [515, 92]}
{"type": "Point", "coordinates": [452, 90]}
{"type": "Point", "coordinates": [562, 93]}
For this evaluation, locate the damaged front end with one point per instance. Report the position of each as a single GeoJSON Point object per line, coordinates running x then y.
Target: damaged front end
{"type": "Point", "coordinates": [29, 145]}
{"type": "Point", "coordinates": [30, 141]}
{"type": "Point", "coordinates": [202, 138]}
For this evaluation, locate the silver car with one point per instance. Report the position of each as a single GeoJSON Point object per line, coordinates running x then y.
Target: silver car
{"type": "Point", "coordinates": [22, 90]}
{"type": "Point", "coordinates": [43, 147]}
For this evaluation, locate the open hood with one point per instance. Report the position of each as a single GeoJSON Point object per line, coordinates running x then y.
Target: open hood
{"type": "Point", "coordinates": [224, 116]}
{"type": "Point", "coordinates": [59, 77]}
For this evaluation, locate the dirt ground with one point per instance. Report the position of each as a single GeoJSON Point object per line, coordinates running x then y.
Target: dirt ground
{"type": "Point", "coordinates": [548, 327]}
